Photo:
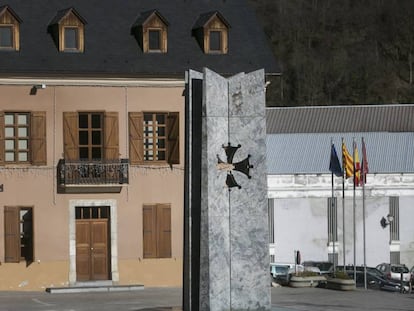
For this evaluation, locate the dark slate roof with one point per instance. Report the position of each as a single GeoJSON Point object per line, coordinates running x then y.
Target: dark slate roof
{"type": "Point", "coordinates": [143, 18]}
{"type": "Point", "coordinates": [62, 13]}
{"type": "Point", "coordinates": [3, 8]}
{"type": "Point", "coordinates": [111, 49]}
{"type": "Point", "coordinates": [344, 119]}
{"type": "Point", "coordinates": [204, 18]}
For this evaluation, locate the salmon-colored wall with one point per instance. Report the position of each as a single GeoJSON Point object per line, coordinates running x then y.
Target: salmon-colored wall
{"type": "Point", "coordinates": [36, 185]}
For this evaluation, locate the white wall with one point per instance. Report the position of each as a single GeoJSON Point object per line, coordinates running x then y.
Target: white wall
{"type": "Point", "coordinates": [301, 218]}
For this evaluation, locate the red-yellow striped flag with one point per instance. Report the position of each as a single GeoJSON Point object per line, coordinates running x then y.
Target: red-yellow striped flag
{"type": "Point", "coordinates": [357, 177]}
{"type": "Point", "coordinates": [347, 162]}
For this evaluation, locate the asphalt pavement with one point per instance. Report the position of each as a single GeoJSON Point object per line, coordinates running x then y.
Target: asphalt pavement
{"type": "Point", "coordinates": [169, 299]}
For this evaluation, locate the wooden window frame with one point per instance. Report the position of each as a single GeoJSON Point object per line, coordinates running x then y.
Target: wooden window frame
{"type": "Point", "coordinates": [155, 23]}
{"type": "Point", "coordinates": [14, 233]}
{"type": "Point", "coordinates": [36, 139]}
{"type": "Point", "coordinates": [136, 126]}
{"type": "Point", "coordinates": [159, 47]}
{"type": "Point", "coordinates": [156, 227]}
{"type": "Point", "coordinates": [223, 41]}
{"type": "Point", "coordinates": [16, 138]}
{"type": "Point", "coordinates": [220, 34]}
{"type": "Point", "coordinates": [77, 39]}
{"type": "Point", "coordinates": [156, 138]}
{"type": "Point", "coordinates": [10, 20]}
{"type": "Point", "coordinates": [12, 41]}
{"type": "Point", "coordinates": [90, 131]}
{"type": "Point", "coordinates": [80, 37]}
{"type": "Point", "coordinates": [110, 135]}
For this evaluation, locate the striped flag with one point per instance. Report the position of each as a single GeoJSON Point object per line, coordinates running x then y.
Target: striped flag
{"type": "Point", "coordinates": [357, 167]}
{"type": "Point", "coordinates": [364, 168]}
{"type": "Point", "coordinates": [347, 162]}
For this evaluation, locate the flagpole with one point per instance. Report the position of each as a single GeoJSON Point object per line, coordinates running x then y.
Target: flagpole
{"type": "Point", "coordinates": [354, 206]}
{"type": "Point", "coordinates": [363, 211]}
{"type": "Point", "coordinates": [343, 204]}
{"type": "Point", "coordinates": [336, 220]}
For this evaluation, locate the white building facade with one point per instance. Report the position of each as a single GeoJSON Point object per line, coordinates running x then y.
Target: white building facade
{"type": "Point", "coordinates": [308, 214]}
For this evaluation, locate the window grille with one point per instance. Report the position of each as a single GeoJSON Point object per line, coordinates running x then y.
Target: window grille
{"type": "Point", "coordinates": [332, 220]}
{"type": "Point", "coordinates": [395, 224]}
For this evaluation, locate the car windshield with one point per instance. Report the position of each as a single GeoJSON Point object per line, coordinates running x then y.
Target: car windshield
{"type": "Point", "coordinates": [281, 269]}
{"type": "Point", "coordinates": [324, 266]}
{"type": "Point", "coordinates": [399, 269]}
{"type": "Point", "coordinates": [374, 271]}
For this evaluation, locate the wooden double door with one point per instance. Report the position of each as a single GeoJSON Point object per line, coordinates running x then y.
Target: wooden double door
{"type": "Point", "coordinates": [92, 249]}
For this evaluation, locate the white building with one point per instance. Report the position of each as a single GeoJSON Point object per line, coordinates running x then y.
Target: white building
{"type": "Point", "coordinates": [300, 184]}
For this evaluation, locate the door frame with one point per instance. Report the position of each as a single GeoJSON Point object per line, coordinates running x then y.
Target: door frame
{"type": "Point", "coordinates": [113, 235]}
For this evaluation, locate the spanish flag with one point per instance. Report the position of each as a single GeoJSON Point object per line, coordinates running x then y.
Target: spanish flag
{"type": "Point", "coordinates": [347, 162]}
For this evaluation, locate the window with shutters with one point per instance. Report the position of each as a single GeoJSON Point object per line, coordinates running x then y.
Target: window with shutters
{"type": "Point", "coordinates": [90, 136]}
{"type": "Point", "coordinates": [154, 137]}
{"type": "Point", "coordinates": [156, 224]}
{"type": "Point", "coordinates": [91, 152]}
{"type": "Point", "coordinates": [23, 138]}
{"type": "Point", "coordinates": [18, 234]}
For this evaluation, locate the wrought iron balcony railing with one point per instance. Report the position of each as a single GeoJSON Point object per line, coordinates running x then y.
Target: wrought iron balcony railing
{"type": "Point", "coordinates": [92, 172]}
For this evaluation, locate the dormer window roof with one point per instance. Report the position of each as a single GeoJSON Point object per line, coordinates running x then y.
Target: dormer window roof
{"type": "Point", "coordinates": [151, 32]}
{"type": "Point", "coordinates": [68, 31]}
{"type": "Point", "coordinates": [212, 32]}
{"type": "Point", "coordinates": [9, 29]}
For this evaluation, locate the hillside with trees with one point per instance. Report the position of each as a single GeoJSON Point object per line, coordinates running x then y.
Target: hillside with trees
{"type": "Point", "coordinates": [340, 52]}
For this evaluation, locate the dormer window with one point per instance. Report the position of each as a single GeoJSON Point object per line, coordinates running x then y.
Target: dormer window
{"type": "Point", "coordinates": [211, 31]}
{"type": "Point", "coordinates": [71, 35]}
{"type": "Point", "coordinates": [6, 36]}
{"type": "Point", "coordinates": [154, 39]}
{"type": "Point", "coordinates": [215, 41]}
{"type": "Point", "coordinates": [68, 31]}
{"type": "Point", "coordinates": [151, 32]}
{"type": "Point", "coordinates": [9, 29]}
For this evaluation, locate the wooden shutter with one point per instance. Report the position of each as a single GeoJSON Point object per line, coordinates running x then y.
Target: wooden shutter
{"type": "Point", "coordinates": [149, 231]}
{"type": "Point", "coordinates": [111, 134]}
{"type": "Point", "coordinates": [136, 147]}
{"type": "Point", "coordinates": [38, 138]}
{"type": "Point", "coordinates": [164, 230]}
{"type": "Point", "coordinates": [173, 128]}
{"type": "Point", "coordinates": [70, 136]}
{"type": "Point", "coordinates": [1, 137]}
{"type": "Point", "coordinates": [11, 234]}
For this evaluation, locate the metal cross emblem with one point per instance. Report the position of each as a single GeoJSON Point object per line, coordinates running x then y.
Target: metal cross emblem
{"type": "Point", "coordinates": [242, 166]}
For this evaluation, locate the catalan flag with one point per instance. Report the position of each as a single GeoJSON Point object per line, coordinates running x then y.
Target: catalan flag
{"type": "Point", "coordinates": [357, 167]}
{"type": "Point", "coordinates": [347, 162]}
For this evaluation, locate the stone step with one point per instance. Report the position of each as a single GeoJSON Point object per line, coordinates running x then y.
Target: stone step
{"type": "Point", "coordinates": [88, 287]}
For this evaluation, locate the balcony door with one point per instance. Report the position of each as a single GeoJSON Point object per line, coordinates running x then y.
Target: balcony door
{"type": "Point", "coordinates": [91, 136]}
{"type": "Point", "coordinates": [92, 243]}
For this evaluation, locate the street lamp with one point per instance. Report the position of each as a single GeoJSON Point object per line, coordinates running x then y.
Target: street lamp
{"type": "Point", "coordinates": [385, 222]}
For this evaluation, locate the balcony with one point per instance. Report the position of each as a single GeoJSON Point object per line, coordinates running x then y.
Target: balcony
{"type": "Point", "coordinates": [92, 176]}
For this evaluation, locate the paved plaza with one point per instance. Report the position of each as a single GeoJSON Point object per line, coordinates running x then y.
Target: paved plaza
{"type": "Point", "coordinates": [169, 299]}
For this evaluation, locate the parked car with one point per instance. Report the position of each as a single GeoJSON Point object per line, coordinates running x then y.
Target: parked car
{"type": "Point", "coordinates": [281, 272]}
{"type": "Point", "coordinates": [394, 271]}
{"type": "Point", "coordinates": [325, 267]}
{"type": "Point", "coordinates": [375, 278]}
